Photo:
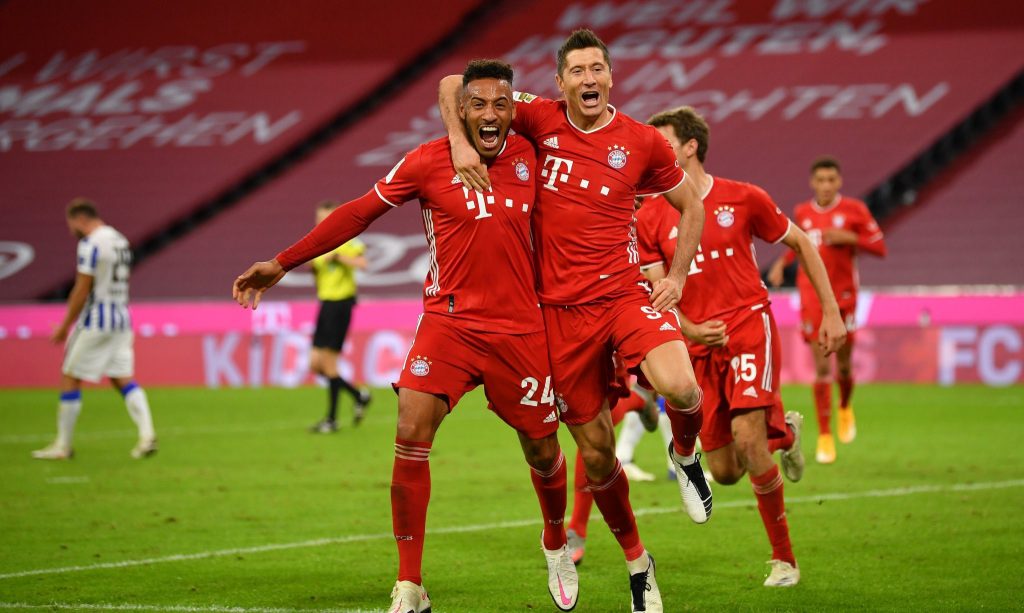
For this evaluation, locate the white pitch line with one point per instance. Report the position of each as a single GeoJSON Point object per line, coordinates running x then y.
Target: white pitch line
{"type": "Point", "coordinates": [17, 439]}
{"type": "Point", "coordinates": [889, 493]}
{"type": "Point", "coordinates": [172, 608]}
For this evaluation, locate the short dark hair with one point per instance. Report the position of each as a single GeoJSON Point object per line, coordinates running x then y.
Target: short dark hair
{"type": "Point", "coordinates": [581, 39]}
{"type": "Point", "coordinates": [687, 124]}
{"type": "Point", "coordinates": [826, 161]}
{"type": "Point", "coordinates": [487, 69]}
{"type": "Point", "coordinates": [327, 205]}
{"type": "Point", "coordinates": [82, 207]}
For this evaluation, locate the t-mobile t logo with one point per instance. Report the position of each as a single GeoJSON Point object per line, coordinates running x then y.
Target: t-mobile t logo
{"type": "Point", "coordinates": [552, 166]}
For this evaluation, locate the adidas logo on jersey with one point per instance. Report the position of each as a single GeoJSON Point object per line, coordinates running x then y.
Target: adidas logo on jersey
{"type": "Point", "coordinates": [750, 391]}
{"type": "Point", "coordinates": [456, 180]}
{"type": "Point", "coordinates": [666, 326]}
{"type": "Point", "coordinates": [550, 418]}
{"type": "Point", "coordinates": [551, 142]}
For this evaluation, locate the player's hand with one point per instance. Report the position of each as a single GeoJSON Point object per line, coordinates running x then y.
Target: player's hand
{"type": "Point", "coordinates": [470, 167]}
{"type": "Point", "coordinates": [59, 335]}
{"type": "Point", "coordinates": [775, 275]}
{"type": "Point", "coordinates": [710, 333]}
{"type": "Point", "coordinates": [666, 294]}
{"type": "Point", "coordinates": [838, 236]}
{"type": "Point", "coordinates": [832, 334]}
{"type": "Point", "coordinates": [250, 285]}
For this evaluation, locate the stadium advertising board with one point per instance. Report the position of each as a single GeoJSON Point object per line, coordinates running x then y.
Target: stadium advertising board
{"type": "Point", "coordinates": [923, 339]}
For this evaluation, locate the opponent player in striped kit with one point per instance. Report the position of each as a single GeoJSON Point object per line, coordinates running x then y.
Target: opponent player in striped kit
{"type": "Point", "coordinates": [98, 331]}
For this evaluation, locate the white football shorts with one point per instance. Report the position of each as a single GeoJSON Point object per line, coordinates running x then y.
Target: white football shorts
{"type": "Point", "coordinates": [93, 354]}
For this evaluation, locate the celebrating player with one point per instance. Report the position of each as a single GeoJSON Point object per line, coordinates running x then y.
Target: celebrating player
{"type": "Point", "coordinates": [730, 329]}
{"type": "Point", "coordinates": [335, 275]}
{"type": "Point", "coordinates": [595, 161]}
{"type": "Point", "coordinates": [101, 343]}
{"type": "Point", "coordinates": [481, 323]}
{"type": "Point", "coordinates": [840, 227]}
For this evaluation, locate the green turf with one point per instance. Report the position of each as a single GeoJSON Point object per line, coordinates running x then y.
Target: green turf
{"type": "Point", "coordinates": [237, 470]}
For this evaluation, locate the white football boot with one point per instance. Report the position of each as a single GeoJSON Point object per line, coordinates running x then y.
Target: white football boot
{"type": "Point", "coordinates": [793, 458]}
{"type": "Point", "coordinates": [635, 473]}
{"type": "Point", "coordinates": [53, 451]}
{"type": "Point", "coordinates": [144, 448]}
{"type": "Point", "coordinates": [563, 582]}
{"type": "Point", "coordinates": [407, 597]}
{"type": "Point", "coordinates": [643, 587]}
{"type": "Point", "coordinates": [693, 488]}
{"type": "Point", "coordinates": [783, 574]}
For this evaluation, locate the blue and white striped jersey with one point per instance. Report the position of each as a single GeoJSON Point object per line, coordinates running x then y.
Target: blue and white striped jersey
{"type": "Point", "coordinates": [106, 256]}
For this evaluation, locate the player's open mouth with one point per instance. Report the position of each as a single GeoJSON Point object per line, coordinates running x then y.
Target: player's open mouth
{"type": "Point", "coordinates": [489, 136]}
{"type": "Point", "coordinates": [590, 99]}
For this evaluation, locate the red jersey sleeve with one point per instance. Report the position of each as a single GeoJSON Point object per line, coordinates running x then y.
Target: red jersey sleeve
{"type": "Point", "coordinates": [402, 184]}
{"type": "Point", "coordinates": [869, 236]}
{"type": "Point", "coordinates": [530, 110]}
{"type": "Point", "coordinates": [648, 228]}
{"type": "Point", "coordinates": [767, 221]}
{"type": "Point", "coordinates": [663, 173]}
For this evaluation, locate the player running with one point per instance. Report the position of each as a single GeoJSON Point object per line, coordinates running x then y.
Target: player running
{"type": "Point", "coordinates": [595, 161]}
{"type": "Point", "coordinates": [840, 227]}
{"type": "Point", "coordinates": [481, 324]}
{"type": "Point", "coordinates": [101, 344]}
{"type": "Point", "coordinates": [727, 319]}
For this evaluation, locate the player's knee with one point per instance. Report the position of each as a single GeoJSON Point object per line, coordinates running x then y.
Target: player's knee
{"type": "Point", "coordinates": [682, 394]}
{"type": "Point", "coordinates": [726, 476]}
{"type": "Point", "coordinates": [598, 460]}
{"type": "Point", "coordinates": [542, 454]}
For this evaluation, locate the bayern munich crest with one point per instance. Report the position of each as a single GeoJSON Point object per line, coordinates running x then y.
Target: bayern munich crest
{"type": "Point", "coordinates": [617, 156]}
{"type": "Point", "coordinates": [420, 366]}
{"type": "Point", "coordinates": [725, 215]}
{"type": "Point", "coordinates": [522, 171]}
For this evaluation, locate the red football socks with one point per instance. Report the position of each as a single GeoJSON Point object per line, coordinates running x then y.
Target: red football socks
{"type": "Point", "coordinates": [612, 496]}
{"type": "Point", "coordinates": [823, 405]}
{"type": "Point", "coordinates": [583, 500]}
{"type": "Point", "coordinates": [410, 493]}
{"type": "Point", "coordinates": [686, 423]}
{"type": "Point", "coordinates": [845, 391]}
{"type": "Point", "coordinates": [550, 487]}
{"type": "Point", "coordinates": [771, 504]}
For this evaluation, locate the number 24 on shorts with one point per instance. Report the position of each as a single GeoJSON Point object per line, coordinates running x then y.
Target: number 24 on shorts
{"type": "Point", "coordinates": [546, 397]}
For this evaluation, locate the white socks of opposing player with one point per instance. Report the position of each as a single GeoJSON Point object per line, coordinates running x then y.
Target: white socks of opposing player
{"type": "Point", "coordinates": [629, 437]}
{"type": "Point", "coordinates": [138, 407]}
{"type": "Point", "coordinates": [67, 414]}
{"type": "Point", "coordinates": [665, 429]}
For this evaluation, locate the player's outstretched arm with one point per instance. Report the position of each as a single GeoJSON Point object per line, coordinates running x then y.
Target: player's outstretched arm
{"type": "Point", "coordinates": [833, 330]}
{"type": "Point", "coordinates": [76, 302]}
{"type": "Point", "coordinates": [687, 201]}
{"type": "Point", "coordinates": [465, 157]}
{"type": "Point", "coordinates": [342, 225]}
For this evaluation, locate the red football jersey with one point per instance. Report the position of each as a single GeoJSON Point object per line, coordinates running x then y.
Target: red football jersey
{"type": "Point", "coordinates": [479, 245]}
{"type": "Point", "coordinates": [584, 227]}
{"type": "Point", "coordinates": [724, 281]}
{"type": "Point", "coordinates": [844, 214]}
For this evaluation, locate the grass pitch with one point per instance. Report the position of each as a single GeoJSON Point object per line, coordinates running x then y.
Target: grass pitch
{"type": "Point", "coordinates": [243, 510]}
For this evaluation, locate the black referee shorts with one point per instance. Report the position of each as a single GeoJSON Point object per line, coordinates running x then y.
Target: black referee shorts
{"type": "Point", "coordinates": [332, 323]}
